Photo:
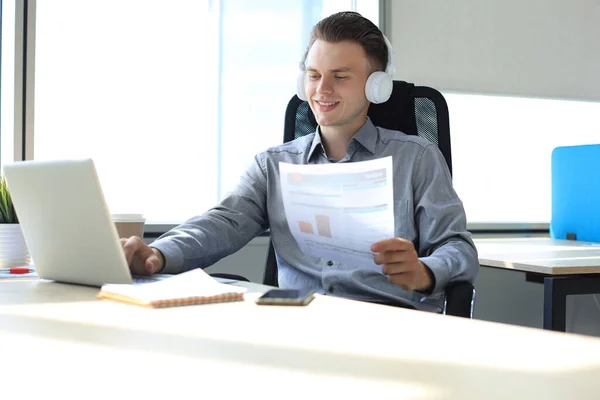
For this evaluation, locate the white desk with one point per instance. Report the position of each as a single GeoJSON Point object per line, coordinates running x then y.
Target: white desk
{"type": "Point", "coordinates": [565, 267]}
{"type": "Point", "coordinates": [59, 339]}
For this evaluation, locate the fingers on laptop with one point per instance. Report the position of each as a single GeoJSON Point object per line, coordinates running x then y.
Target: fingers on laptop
{"type": "Point", "coordinates": [152, 264]}
{"type": "Point", "coordinates": [136, 254]}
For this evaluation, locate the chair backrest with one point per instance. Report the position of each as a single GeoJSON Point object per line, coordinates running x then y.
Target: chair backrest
{"type": "Point", "coordinates": [414, 110]}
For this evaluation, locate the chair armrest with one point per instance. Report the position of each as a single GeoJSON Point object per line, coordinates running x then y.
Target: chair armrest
{"type": "Point", "coordinates": [459, 299]}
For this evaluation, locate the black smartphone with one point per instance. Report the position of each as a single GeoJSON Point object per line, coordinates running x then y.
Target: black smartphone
{"type": "Point", "coordinates": [286, 297]}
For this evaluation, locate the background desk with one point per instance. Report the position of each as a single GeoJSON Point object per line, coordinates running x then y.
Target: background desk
{"type": "Point", "coordinates": [565, 267]}
{"type": "Point", "coordinates": [58, 338]}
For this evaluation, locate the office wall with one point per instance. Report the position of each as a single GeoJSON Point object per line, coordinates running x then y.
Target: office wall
{"type": "Point", "coordinates": [536, 48]}
{"type": "Point", "coordinates": [502, 296]}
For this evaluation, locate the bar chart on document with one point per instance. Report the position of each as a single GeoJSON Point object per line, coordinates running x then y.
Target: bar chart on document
{"type": "Point", "coordinates": [337, 211]}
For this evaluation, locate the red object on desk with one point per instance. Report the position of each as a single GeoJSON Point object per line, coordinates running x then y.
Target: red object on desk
{"type": "Point", "coordinates": [16, 270]}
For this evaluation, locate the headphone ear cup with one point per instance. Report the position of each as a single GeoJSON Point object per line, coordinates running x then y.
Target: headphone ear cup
{"type": "Point", "coordinates": [378, 88]}
{"type": "Point", "coordinates": [300, 91]}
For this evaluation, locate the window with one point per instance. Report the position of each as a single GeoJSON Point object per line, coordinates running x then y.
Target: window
{"type": "Point", "coordinates": [501, 152]}
{"type": "Point", "coordinates": [171, 99]}
{"type": "Point", "coordinates": [7, 82]}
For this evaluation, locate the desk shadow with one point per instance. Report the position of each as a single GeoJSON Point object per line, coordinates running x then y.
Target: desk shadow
{"type": "Point", "coordinates": [453, 380]}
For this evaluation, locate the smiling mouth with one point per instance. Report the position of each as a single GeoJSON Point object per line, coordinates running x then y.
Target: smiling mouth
{"type": "Point", "coordinates": [327, 103]}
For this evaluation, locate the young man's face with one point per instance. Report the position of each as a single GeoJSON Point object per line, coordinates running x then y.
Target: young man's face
{"type": "Point", "coordinates": [336, 74]}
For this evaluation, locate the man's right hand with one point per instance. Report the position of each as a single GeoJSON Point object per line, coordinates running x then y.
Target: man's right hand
{"type": "Point", "coordinates": [141, 258]}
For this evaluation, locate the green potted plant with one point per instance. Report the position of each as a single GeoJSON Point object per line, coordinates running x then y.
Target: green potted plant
{"type": "Point", "coordinates": [8, 214]}
{"type": "Point", "coordinates": [13, 249]}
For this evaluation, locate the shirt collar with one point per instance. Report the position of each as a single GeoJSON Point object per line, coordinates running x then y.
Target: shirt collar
{"type": "Point", "coordinates": [316, 143]}
{"type": "Point", "coordinates": [366, 136]}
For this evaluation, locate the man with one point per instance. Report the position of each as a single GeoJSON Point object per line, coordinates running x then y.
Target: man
{"type": "Point", "coordinates": [344, 50]}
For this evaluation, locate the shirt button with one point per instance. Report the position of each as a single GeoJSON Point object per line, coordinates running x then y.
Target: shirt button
{"type": "Point", "coordinates": [330, 263]}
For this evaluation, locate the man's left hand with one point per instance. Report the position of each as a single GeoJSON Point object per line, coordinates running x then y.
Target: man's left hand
{"type": "Point", "coordinates": [402, 265]}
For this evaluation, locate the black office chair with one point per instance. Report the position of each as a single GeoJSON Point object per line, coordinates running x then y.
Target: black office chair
{"type": "Point", "coordinates": [414, 110]}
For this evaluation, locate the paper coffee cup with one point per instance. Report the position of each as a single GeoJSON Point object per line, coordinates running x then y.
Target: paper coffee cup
{"type": "Point", "coordinates": [129, 224]}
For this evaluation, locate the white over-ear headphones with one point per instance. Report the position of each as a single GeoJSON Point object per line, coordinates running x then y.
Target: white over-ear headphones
{"type": "Point", "coordinates": [378, 88]}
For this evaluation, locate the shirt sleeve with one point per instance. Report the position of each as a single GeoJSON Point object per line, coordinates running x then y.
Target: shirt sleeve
{"type": "Point", "coordinates": [205, 239]}
{"type": "Point", "coordinates": [445, 245]}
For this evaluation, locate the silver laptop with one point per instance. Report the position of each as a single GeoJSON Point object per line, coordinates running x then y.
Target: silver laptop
{"type": "Point", "coordinates": [66, 222]}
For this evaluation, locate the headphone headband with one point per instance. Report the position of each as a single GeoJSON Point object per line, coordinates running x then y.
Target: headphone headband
{"type": "Point", "coordinates": [389, 69]}
{"type": "Point", "coordinates": [378, 87]}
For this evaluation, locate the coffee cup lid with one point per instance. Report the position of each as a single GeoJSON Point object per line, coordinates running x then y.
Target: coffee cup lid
{"type": "Point", "coordinates": [128, 217]}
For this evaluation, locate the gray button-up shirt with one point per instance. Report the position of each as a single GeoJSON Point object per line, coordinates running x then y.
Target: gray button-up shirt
{"type": "Point", "coordinates": [427, 211]}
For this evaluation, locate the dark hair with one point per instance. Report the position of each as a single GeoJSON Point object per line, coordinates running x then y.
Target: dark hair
{"type": "Point", "coordinates": [349, 25]}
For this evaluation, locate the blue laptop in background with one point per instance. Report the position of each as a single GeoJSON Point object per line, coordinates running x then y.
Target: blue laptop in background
{"type": "Point", "coordinates": [576, 193]}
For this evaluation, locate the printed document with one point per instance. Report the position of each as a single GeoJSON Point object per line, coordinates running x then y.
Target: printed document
{"type": "Point", "coordinates": [337, 211]}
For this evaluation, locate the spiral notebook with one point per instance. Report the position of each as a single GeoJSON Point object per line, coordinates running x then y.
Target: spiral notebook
{"type": "Point", "coordinates": [188, 288]}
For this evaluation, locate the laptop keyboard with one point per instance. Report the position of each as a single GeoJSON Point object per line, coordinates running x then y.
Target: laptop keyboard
{"type": "Point", "coordinates": [141, 280]}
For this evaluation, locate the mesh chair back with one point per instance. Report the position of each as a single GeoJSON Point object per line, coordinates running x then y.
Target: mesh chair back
{"type": "Point", "coordinates": [414, 110]}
